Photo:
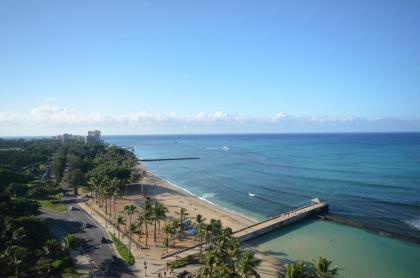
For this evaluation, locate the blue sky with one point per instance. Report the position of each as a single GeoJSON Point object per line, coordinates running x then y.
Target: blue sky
{"type": "Point", "coordinates": [209, 66]}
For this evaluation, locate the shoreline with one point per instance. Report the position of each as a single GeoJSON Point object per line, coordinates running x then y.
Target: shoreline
{"type": "Point", "coordinates": [174, 197]}
{"type": "Point", "coordinates": [203, 199]}
{"type": "Point", "coordinates": [193, 199]}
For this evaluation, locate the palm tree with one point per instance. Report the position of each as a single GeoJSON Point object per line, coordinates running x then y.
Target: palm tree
{"type": "Point", "coordinates": [105, 191]}
{"type": "Point", "coordinates": [18, 236]}
{"type": "Point", "coordinates": [147, 203]}
{"type": "Point", "coordinates": [52, 247]}
{"type": "Point", "coordinates": [125, 209]}
{"type": "Point", "coordinates": [115, 182]}
{"type": "Point", "coordinates": [147, 217]}
{"type": "Point", "coordinates": [175, 224]}
{"type": "Point", "coordinates": [92, 184]}
{"type": "Point", "coordinates": [130, 210]}
{"type": "Point", "coordinates": [140, 221]}
{"type": "Point", "coordinates": [169, 230]}
{"type": "Point", "coordinates": [70, 241]}
{"type": "Point", "coordinates": [13, 255]}
{"type": "Point", "coordinates": [132, 229]}
{"type": "Point", "coordinates": [182, 214]}
{"type": "Point", "coordinates": [295, 270]}
{"type": "Point", "coordinates": [161, 212]}
{"type": "Point", "coordinates": [247, 265]}
{"type": "Point", "coordinates": [141, 177]}
{"type": "Point", "coordinates": [322, 268]}
{"type": "Point", "coordinates": [200, 226]}
{"type": "Point", "coordinates": [120, 221]}
{"type": "Point", "coordinates": [158, 213]}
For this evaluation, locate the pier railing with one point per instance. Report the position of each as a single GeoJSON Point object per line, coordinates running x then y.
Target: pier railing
{"type": "Point", "coordinates": [254, 231]}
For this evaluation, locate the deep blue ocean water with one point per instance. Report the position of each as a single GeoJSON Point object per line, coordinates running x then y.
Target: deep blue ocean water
{"type": "Point", "coordinates": [371, 178]}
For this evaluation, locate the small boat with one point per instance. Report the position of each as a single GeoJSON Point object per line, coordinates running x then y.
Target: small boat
{"type": "Point", "coordinates": [251, 194]}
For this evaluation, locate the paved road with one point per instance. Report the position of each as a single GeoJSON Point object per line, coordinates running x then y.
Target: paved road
{"type": "Point", "coordinates": [73, 222]}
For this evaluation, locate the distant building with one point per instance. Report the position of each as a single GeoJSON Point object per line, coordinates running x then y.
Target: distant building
{"type": "Point", "coordinates": [93, 136]}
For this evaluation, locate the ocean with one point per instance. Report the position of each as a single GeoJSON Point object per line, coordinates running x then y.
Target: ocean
{"type": "Point", "coordinates": [368, 178]}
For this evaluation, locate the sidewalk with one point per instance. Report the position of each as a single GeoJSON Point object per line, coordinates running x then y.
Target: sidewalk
{"type": "Point", "coordinates": [84, 264]}
{"type": "Point", "coordinates": [150, 256]}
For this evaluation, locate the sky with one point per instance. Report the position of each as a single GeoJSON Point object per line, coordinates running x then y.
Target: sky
{"type": "Point", "coordinates": [164, 67]}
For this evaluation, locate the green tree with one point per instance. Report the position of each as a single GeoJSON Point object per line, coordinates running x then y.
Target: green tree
{"type": "Point", "coordinates": [130, 211]}
{"type": "Point", "coordinates": [76, 178]}
{"type": "Point", "coordinates": [14, 258]}
{"type": "Point", "coordinates": [296, 270]}
{"type": "Point", "coordinates": [131, 230]}
{"type": "Point", "coordinates": [147, 216]}
{"type": "Point", "coordinates": [159, 211]}
{"type": "Point", "coordinates": [201, 230]}
{"type": "Point", "coordinates": [52, 247]}
{"type": "Point", "coordinates": [70, 241]}
{"type": "Point", "coordinates": [120, 221]}
{"type": "Point", "coordinates": [247, 265]}
{"type": "Point", "coordinates": [182, 214]}
{"type": "Point", "coordinates": [323, 268]}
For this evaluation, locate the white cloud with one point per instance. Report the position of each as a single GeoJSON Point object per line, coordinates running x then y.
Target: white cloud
{"type": "Point", "coordinates": [52, 119]}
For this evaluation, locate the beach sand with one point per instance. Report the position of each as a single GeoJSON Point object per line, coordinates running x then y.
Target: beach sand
{"type": "Point", "coordinates": [174, 198]}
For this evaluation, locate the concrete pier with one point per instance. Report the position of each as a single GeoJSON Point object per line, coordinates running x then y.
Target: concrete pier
{"type": "Point", "coordinates": [273, 223]}
{"type": "Point", "coordinates": [166, 159]}
{"type": "Point", "coordinates": [315, 207]}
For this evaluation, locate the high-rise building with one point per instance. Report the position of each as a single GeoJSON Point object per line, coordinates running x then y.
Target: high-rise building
{"type": "Point", "coordinates": [93, 136]}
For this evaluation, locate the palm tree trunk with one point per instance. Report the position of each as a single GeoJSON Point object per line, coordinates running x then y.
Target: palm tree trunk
{"type": "Point", "coordinates": [115, 201]}
{"type": "Point", "coordinates": [147, 232]}
{"type": "Point", "coordinates": [155, 231]}
{"type": "Point", "coordinates": [129, 240]}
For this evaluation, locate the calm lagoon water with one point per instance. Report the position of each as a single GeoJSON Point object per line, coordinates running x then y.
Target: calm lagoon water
{"type": "Point", "coordinates": [356, 252]}
{"type": "Point", "coordinates": [373, 179]}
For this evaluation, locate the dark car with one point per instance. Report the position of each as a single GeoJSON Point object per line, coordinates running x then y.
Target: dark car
{"type": "Point", "coordinates": [88, 225]}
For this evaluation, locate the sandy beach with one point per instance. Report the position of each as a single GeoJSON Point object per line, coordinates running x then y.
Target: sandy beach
{"type": "Point", "coordinates": [174, 198]}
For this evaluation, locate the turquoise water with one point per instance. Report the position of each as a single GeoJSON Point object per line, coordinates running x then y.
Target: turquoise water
{"type": "Point", "coordinates": [356, 252]}
{"type": "Point", "coordinates": [373, 179]}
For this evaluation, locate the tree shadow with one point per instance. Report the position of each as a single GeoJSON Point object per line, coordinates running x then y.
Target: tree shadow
{"type": "Point", "coordinates": [116, 267]}
{"type": "Point", "coordinates": [61, 227]}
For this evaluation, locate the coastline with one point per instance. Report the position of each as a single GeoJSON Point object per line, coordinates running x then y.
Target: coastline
{"type": "Point", "coordinates": [249, 220]}
{"type": "Point", "coordinates": [175, 197]}
{"type": "Point", "coordinates": [167, 192]}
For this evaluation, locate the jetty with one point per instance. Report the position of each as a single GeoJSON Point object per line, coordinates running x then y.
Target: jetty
{"type": "Point", "coordinates": [315, 207]}
{"type": "Point", "coordinates": [165, 159]}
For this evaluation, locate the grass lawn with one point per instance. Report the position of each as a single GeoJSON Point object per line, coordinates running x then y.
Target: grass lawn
{"type": "Point", "coordinates": [54, 205]}
{"type": "Point", "coordinates": [123, 250]}
{"type": "Point", "coordinates": [71, 273]}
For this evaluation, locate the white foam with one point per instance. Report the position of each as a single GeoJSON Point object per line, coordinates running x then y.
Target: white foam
{"type": "Point", "coordinates": [205, 200]}
{"type": "Point", "coordinates": [415, 223]}
{"type": "Point", "coordinates": [208, 195]}
{"type": "Point", "coordinates": [251, 194]}
{"type": "Point", "coordinates": [224, 148]}
{"type": "Point", "coordinates": [179, 187]}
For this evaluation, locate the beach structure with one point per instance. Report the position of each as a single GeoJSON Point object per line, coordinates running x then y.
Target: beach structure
{"type": "Point", "coordinates": [313, 208]}
{"type": "Point", "coordinates": [93, 136]}
{"type": "Point", "coordinates": [168, 159]}
{"type": "Point", "coordinates": [316, 206]}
